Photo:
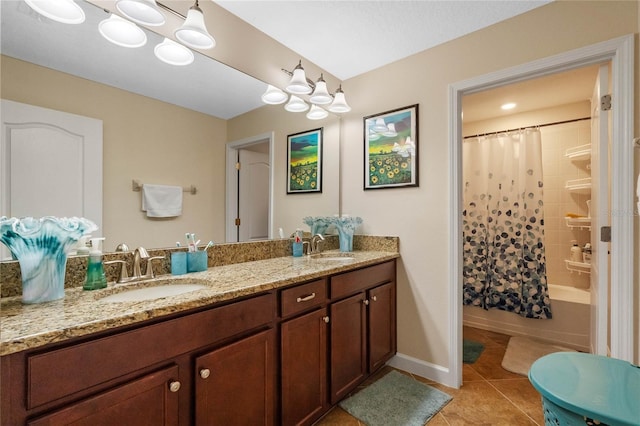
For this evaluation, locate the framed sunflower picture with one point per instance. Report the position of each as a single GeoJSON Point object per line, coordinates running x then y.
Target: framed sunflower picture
{"type": "Point", "coordinates": [391, 149]}
{"type": "Point", "coordinates": [304, 162]}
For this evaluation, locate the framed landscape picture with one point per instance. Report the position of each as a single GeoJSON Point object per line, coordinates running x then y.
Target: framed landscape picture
{"type": "Point", "coordinates": [391, 149]}
{"type": "Point", "coordinates": [304, 162]}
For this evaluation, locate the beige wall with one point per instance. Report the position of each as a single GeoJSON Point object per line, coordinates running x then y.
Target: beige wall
{"type": "Point", "coordinates": [420, 216]}
{"type": "Point", "coordinates": [289, 209]}
{"type": "Point", "coordinates": [144, 139]}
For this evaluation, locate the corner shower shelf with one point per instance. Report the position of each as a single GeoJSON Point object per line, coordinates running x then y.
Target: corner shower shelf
{"type": "Point", "coordinates": [578, 222]}
{"type": "Point", "coordinates": [582, 152]}
{"type": "Point", "coordinates": [579, 185]}
{"type": "Point", "coordinates": [579, 267]}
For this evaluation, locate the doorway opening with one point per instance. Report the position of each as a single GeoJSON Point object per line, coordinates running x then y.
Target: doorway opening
{"type": "Point", "coordinates": [620, 53]}
{"type": "Point", "coordinates": [249, 189]}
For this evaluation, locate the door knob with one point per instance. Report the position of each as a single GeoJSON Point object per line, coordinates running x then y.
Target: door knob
{"type": "Point", "coordinates": [205, 373]}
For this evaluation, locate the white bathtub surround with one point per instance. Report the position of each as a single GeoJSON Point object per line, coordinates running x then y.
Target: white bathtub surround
{"type": "Point", "coordinates": [569, 326]}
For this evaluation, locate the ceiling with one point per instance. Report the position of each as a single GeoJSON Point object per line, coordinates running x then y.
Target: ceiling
{"type": "Point", "coordinates": [346, 38]}
{"type": "Point", "coordinates": [530, 95]}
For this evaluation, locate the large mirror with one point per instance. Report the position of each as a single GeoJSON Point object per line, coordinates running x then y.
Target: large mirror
{"type": "Point", "coordinates": [162, 124]}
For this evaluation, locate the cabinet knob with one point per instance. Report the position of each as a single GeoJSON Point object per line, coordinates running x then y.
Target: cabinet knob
{"type": "Point", "coordinates": [374, 298]}
{"type": "Point", "coordinates": [205, 373]}
{"type": "Point", "coordinates": [174, 386]}
{"type": "Point", "coordinates": [325, 319]}
{"type": "Point", "coordinates": [366, 302]}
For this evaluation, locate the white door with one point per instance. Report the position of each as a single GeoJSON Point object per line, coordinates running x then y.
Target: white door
{"type": "Point", "coordinates": [253, 200]}
{"type": "Point", "coordinates": [600, 216]}
{"type": "Point", "coordinates": [50, 164]}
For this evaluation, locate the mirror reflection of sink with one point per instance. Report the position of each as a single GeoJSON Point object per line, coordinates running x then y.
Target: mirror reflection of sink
{"type": "Point", "coordinates": [150, 293]}
{"type": "Point", "coordinates": [333, 257]}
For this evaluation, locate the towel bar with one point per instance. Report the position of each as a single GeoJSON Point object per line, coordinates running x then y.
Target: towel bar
{"type": "Point", "coordinates": [137, 186]}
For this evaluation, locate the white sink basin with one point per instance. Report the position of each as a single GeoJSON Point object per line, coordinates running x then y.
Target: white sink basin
{"type": "Point", "coordinates": [150, 293]}
{"type": "Point", "coordinates": [333, 257]}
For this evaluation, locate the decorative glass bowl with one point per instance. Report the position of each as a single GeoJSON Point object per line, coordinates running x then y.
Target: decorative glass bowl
{"type": "Point", "coordinates": [40, 245]}
{"type": "Point", "coordinates": [318, 224]}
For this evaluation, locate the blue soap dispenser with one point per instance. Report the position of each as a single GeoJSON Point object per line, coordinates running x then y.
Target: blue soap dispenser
{"type": "Point", "coordinates": [95, 269]}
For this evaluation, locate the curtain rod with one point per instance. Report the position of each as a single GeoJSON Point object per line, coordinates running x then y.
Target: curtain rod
{"type": "Point", "coordinates": [526, 127]}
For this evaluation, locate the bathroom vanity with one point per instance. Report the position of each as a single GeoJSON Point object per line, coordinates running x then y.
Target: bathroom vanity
{"type": "Point", "coordinates": [277, 341]}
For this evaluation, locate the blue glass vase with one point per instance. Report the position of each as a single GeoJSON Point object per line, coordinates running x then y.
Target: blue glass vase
{"type": "Point", "coordinates": [41, 246]}
{"type": "Point", "coordinates": [318, 224]}
{"type": "Point", "coordinates": [346, 227]}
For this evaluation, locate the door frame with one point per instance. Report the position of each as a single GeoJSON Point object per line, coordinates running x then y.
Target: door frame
{"type": "Point", "coordinates": [231, 193]}
{"type": "Point", "coordinates": [620, 51]}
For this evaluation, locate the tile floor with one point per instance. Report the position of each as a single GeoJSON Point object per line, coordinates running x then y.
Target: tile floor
{"type": "Point", "coordinates": [490, 395]}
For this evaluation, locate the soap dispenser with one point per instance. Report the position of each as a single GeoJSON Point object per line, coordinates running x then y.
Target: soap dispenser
{"type": "Point", "coordinates": [95, 269]}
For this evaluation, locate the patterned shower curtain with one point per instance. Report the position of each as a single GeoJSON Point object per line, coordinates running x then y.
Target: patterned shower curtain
{"type": "Point", "coordinates": [503, 224]}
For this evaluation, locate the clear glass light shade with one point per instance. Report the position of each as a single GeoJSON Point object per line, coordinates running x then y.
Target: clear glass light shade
{"type": "Point", "coordinates": [274, 96]}
{"type": "Point", "coordinates": [173, 53]}
{"type": "Point", "coordinates": [122, 32]}
{"type": "Point", "coordinates": [144, 12]}
{"type": "Point", "coordinates": [339, 104]}
{"type": "Point", "coordinates": [391, 131]}
{"type": "Point", "coordinates": [298, 84]}
{"type": "Point", "coordinates": [380, 126]}
{"type": "Point", "coordinates": [296, 104]}
{"type": "Point", "coordinates": [321, 95]}
{"type": "Point", "coordinates": [317, 113]}
{"type": "Point", "coordinates": [193, 31]}
{"type": "Point", "coordinates": [65, 11]}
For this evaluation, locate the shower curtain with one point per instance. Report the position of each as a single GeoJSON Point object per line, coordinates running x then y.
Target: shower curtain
{"type": "Point", "coordinates": [503, 225]}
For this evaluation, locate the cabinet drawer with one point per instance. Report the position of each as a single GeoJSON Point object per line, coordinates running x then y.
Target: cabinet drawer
{"type": "Point", "coordinates": [352, 282]}
{"type": "Point", "coordinates": [58, 373]}
{"type": "Point", "coordinates": [302, 297]}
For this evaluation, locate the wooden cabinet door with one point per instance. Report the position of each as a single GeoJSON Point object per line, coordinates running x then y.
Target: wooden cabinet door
{"type": "Point", "coordinates": [348, 345]}
{"type": "Point", "coordinates": [150, 400]}
{"type": "Point", "coordinates": [304, 368]}
{"type": "Point", "coordinates": [235, 384]}
{"type": "Point", "coordinates": [382, 325]}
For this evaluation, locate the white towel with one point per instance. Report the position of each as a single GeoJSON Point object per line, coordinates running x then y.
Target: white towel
{"type": "Point", "coordinates": [162, 200]}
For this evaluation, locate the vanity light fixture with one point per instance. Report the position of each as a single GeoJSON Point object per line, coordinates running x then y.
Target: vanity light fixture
{"type": "Point", "coordinates": [339, 104]}
{"type": "Point", "coordinates": [64, 11]}
{"type": "Point", "coordinates": [274, 96]}
{"type": "Point", "coordinates": [122, 32]}
{"type": "Point", "coordinates": [296, 104]}
{"type": "Point", "coordinates": [144, 12]}
{"type": "Point", "coordinates": [193, 31]}
{"type": "Point", "coordinates": [298, 84]}
{"type": "Point", "coordinates": [317, 113]}
{"type": "Point", "coordinates": [320, 95]}
{"type": "Point", "coordinates": [173, 53]}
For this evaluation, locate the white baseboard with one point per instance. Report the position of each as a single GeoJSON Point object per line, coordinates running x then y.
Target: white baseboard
{"type": "Point", "coordinates": [434, 372]}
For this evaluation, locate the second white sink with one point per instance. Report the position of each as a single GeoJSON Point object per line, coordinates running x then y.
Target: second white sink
{"type": "Point", "coordinates": [150, 293]}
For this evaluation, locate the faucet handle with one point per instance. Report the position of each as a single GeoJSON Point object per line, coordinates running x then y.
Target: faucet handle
{"type": "Point", "coordinates": [149, 273]}
{"type": "Point", "coordinates": [123, 270]}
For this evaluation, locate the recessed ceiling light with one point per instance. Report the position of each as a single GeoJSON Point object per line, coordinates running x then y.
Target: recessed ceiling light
{"type": "Point", "coordinates": [508, 106]}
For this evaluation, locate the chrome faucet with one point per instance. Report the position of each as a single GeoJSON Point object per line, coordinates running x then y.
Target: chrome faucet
{"type": "Point", "coordinates": [317, 241]}
{"type": "Point", "coordinates": [139, 255]}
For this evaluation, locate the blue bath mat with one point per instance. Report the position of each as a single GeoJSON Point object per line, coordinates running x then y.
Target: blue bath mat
{"type": "Point", "coordinates": [396, 399]}
{"type": "Point", "coordinates": [471, 351]}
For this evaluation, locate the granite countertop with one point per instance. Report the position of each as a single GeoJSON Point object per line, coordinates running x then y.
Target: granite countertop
{"type": "Point", "coordinates": [81, 312]}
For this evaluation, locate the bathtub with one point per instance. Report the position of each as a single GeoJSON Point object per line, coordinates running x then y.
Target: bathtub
{"type": "Point", "coordinates": [569, 326]}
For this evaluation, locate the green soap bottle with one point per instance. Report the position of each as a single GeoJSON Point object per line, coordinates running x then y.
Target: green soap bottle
{"type": "Point", "coordinates": [95, 268]}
